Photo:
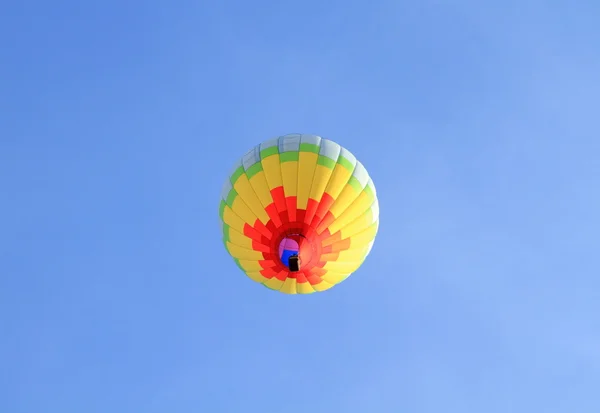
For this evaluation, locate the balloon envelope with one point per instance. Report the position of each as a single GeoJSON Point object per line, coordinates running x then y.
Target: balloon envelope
{"type": "Point", "coordinates": [299, 198]}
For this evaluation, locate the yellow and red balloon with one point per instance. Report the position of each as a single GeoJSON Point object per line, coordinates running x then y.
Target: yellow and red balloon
{"type": "Point", "coordinates": [303, 198]}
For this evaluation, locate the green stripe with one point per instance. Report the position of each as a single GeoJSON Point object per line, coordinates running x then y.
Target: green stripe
{"type": "Point", "coordinates": [354, 183]}
{"type": "Point", "coordinates": [288, 156]}
{"type": "Point", "coordinates": [370, 193]}
{"type": "Point", "coordinates": [225, 233]}
{"type": "Point", "coordinates": [273, 150]}
{"type": "Point", "coordinates": [254, 169]}
{"type": "Point", "coordinates": [237, 262]}
{"type": "Point", "coordinates": [221, 209]}
{"type": "Point", "coordinates": [231, 197]}
{"type": "Point", "coordinates": [345, 163]}
{"type": "Point", "coordinates": [236, 175]}
{"type": "Point", "coordinates": [326, 162]}
{"type": "Point", "coordinates": [309, 147]}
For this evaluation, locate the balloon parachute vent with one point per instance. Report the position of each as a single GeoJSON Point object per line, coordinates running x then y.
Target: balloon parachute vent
{"type": "Point", "coordinates": [293, 263]}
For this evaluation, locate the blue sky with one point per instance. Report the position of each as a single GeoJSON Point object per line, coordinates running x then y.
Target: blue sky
{"type": "Point", "coordinates": [120, 121]}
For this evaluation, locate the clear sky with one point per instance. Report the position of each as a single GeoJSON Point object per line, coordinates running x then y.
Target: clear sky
{"type": "Point", "coordinates": [478, 121]}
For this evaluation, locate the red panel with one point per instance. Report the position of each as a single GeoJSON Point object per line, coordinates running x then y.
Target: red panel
{"type": "Point", "coordinates": [286, 219]}
{"type": "Point", "coordinates": [282, 275]}
{"type": "Point", "coordinates": [290, 202]}
{"type": "Point", "coordinates": [252, 233]}
{"type": "Point", "coordinates": [260, 227]}
{"type": "Point", "coordinates": [340, 245]}
{"type": "Point", "coordinates": [266, 263]}
{"type": "Point", "coordinates": [332, 239]}
{"type": "Point", "coordinates": [300, 213]}
{"type": "Point", "coordinates": [279, 198]}
{"type": "Point", "coordinates": [313, 279]}
{"type": "Point", "coordinates": [326, 203]}
{"type": "Point", "coordinates": [257, 246]}
{"type": "Point", "coordinates": [273, 213]}
{"type": "Point", "coordinates": [272, 228]}
{"type": "Point", "coordinates": [311, 209]}
{"type": "Point", "coordinates": [325, 234]}
{"type": "Point", "coordinates": [319, 272]}
{"type": "Point", "coordinates": [271, 256]}
{"type": "Point", "coordinates": [268, 273]}
{"type": "Point", "coordinates": [325, 222]}
{"type": "Point", "coordinates": [301, 278]}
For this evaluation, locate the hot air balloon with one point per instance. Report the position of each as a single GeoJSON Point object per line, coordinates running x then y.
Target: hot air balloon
{"type": "Point", "coordinates": [299, 214]}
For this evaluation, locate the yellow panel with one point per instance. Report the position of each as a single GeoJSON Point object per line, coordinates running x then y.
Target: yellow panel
{"type": "Point", "coordinates": [272, 170]}
{"type": "Point", "coordinates": [304, 288]}
{"type": "Point", "coordinates": [322, 286]}
{"type": "Point", "coordinates": [358, 225]}
{"type": "Point", "coordinates": [342, 267]}
{"type": "Point", "coordinates": [354, 255]}
{"type": "Point", "coordinates": [353, 211]}
{"type": "Point", "coordinates": [339, 178]}
{"type": "Point", "coordinates": [331, 256]}
{"type": "Point", "coordinates": [334, 278]}
{"type": "Point", "coordinates": [261, 188]}
{"type": "Point", "coordinates": [245, 191]}
{"type": "Point", "coordinates": [243, 253]}
{"type": "Point", "coordinates": [320, 181]}
{"type": "Point", "coordinates": [240, 208]}
{"type": "Point", "coordinates": [306, 169]}
{"type": "Point", "coordinates": [239, 239]}
{"type": "Point", "coordinates": [257, 276]}
{"type": "Point", "coordinates": [345, 199]}
{"type": "Point", "coordinates": [233, 220]}
{"type": "Point", "coordinates": [274, 283]}
{"type": "Point", "coordinates": [250, 266]}
{"type": "Point", "coordinates": [289, 286]}
{"type": "Point", "coordinates": [289, 174]}
{"type": "Point", "coordinates": [365, 237]}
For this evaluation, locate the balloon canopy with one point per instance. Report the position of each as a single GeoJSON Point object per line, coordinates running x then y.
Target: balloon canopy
{"type": "Point", "coordinates": [299, 214]}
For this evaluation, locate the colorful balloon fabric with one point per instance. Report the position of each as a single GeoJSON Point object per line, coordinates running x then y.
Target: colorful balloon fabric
{"type": "Point", "coordinates": [299, 214]}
